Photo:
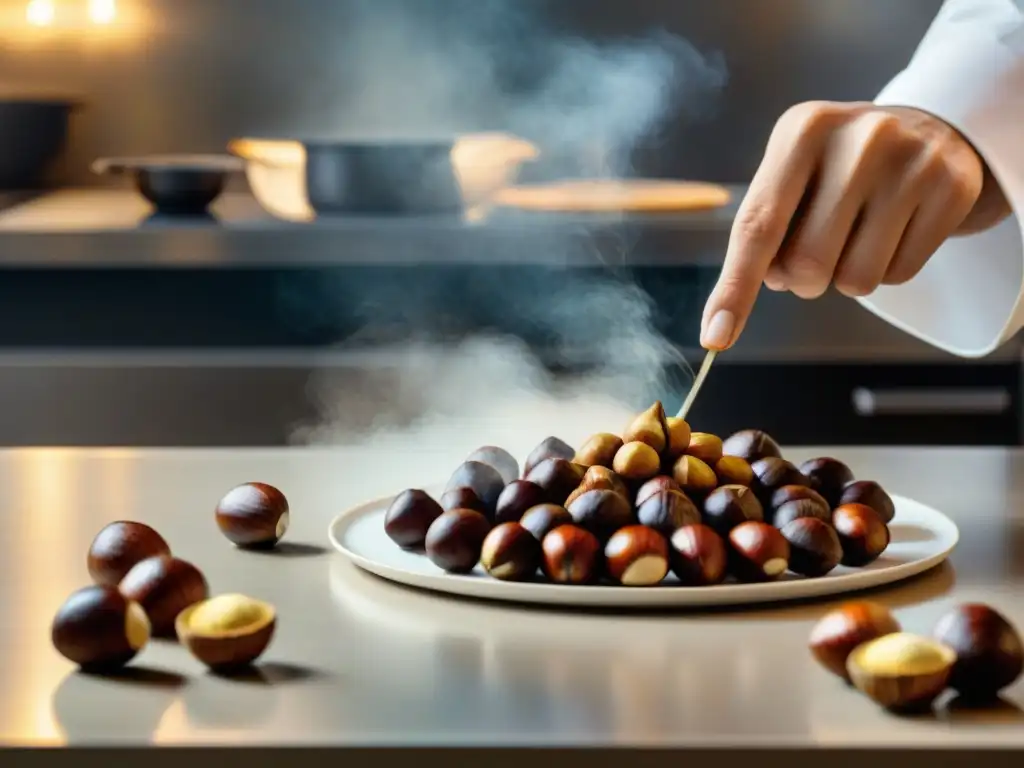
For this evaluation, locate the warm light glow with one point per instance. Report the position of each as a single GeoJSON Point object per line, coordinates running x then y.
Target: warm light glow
{"type": "Point", "coordinates": [102, 11]}
{"type": "Point", "coordinates": [40, 13]}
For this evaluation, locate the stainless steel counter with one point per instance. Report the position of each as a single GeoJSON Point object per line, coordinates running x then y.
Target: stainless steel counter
{"type": "Point", "coordinates": [116, 228]}
{"type": "Point", "coordinates": [357, 661]}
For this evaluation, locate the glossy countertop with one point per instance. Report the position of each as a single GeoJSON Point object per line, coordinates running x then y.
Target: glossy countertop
{"type": "Point", "coordinates": [358, 661]}
{"type": "Point", "coordinates": [94, 228]}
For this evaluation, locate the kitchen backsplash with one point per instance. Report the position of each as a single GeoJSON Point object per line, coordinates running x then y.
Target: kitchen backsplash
{"type": "Point", "coordinates": [675, 87]}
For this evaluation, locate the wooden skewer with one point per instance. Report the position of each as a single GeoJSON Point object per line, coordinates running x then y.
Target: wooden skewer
{"type": "Point", "coordinates": [698, 382]}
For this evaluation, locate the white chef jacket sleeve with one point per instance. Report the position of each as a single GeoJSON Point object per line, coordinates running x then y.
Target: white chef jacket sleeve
{"type": "Point", "coordinates": [969, 71]}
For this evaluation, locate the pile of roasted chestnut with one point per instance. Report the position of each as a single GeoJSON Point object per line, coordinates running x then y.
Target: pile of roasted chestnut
{"type": "Point", "coordinates": [140, 589]}
{"type": "Point", "coordinates": [629, 509]}
{"type": "Point", "coordinates": [973, 650]}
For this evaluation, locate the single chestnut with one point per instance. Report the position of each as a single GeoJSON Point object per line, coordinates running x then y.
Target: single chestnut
{"type": "Point", "coordinates": [814, 547]}
{"type": "Point", "coordinates": [510, 553]}
{"type": "Point", "coordinates": [752, 445]}
{"type": "Point", "coordinates": [648, 428]}
{"type": "Point", "coordinates": [795, 509]}
{"type": "Point", "coordinates": [861, 532]}
{"type": "Point", "coordinates": [678, 436]}
{"type": "Point", "coordinates": [557, 478]}
{"type": "Point", "coordinates": [732, 470]}
{"type": "Point", "coordinates": [653, 486]}
{"type": "Point", "coordinates": [544, 518]}
{"type": "Point", "coordinates": [499, 458]}
{"type": "Point", "coordinates": [228, 632]}
{"type": "Point", "coordinates": [698, 556]}
{"type": "Point", "coordinates": [549, 448]}
{"type": "Point", "coordinates": [694, 476]}
{"type": "Point", "coordinates": [601, 512]}
{"type": "Point", "coordinates": [771, 473]}
{"type": "Point", "coordinates": [758, 552]}
{"type": "Point", "coordinates": [571, 555]}
{"type": "Point", "coordinates": [120, 545]}
{"type": "Point", "coordinates": [818, 507]}
{"type": "Point", "coordinates": [517, 497]}
{"type": "Point", "coordinates": [599, 478]}
{"type": "Point", "coordinates": [989, 651]}
{"type": "Point", "coordinates": [730, 505]}
{"type": "Point", "coordinates": [706, 447]}
{"type": "Point", "coordinates": [409, 516]}
{"type": "Point", "coordinates": [599, 450]}
{"type": "Point", "coordinates": [901, 671]}
{"type": "Point", "coordinates": [454, 540]}
{"type": "Point", "coordinates": [462, 498]}
{"type": "Point", "coordinates": [829, 477]}
{"type": "Point", "coordinates": [164, 586]}
{"type": "Point", "coordinates": [842, 629]}
{"type": "Point", "coordinates": [485, 481]}
{"type": "Point", "coordinates": [871, 494]}
{"type": "Point", "coordinates": [637, 461]}
{"type": "Point", "coordinates": [636, 556]}
{"type": "Point", "coordinates": [99, 629]}
{"type": "Point", "coordinates": [666, 511]}
{"type": "Point", "coordinates": [253, 515]}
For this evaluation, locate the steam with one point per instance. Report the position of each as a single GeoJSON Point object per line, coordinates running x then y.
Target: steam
{"type": "Point", "coordinates": [417, 69]}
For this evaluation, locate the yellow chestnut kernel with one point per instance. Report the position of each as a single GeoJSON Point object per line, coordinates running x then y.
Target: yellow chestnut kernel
{"type": "Point", "coordinates": [902, 654]}
{"type": "Point", "coordinates": [225, 613]}
{"type": "Point", "coordinates": [637, 461]}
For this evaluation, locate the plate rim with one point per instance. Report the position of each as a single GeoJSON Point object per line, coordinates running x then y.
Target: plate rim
{"type": "Point", "coordinates": [617, 596]}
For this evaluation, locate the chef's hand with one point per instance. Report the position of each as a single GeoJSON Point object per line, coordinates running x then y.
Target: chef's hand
{"type": "Point", "coordinates": [853, 195]}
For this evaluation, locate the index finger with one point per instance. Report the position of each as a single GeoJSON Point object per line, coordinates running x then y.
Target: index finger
{"type": "Point", "coordinates": [760, 228]}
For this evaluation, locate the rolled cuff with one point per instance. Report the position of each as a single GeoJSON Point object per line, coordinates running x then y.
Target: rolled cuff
{"type": "Point", "coordinates": [968, 298]}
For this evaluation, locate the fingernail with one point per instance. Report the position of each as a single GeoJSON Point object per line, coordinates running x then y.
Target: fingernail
{"type": "Point", "coordinates": [718, 333]}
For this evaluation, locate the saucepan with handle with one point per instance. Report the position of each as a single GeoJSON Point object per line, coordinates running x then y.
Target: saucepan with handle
{"type": "Point", "coordinates": [300, 179]}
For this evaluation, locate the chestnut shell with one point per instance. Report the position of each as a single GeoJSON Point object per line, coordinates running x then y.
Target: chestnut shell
{"type": "Point", "coordinates": [557, 477]}
{"type": "Point", "coordinates": [119, 546]}
{"type": "Point", "coordinates": [829, 477]}
{"type": "Point", "coordinates": [499, 458]}
{"type": "Point", "coordinates": [455, 539]}
{"type": "Point", "coordinates": [602, 512]}
{"type": "Point", "coordinates": [730, 505]}
{"type": "Point", "coordinates": [462, 498]}
{"type": "Point", "coordinates": [517, 497]}
{"type": "Point", "coordinates": [652, 486]}
{"type": "Point", "coordinates": [751, 444]}
{"type": "Point", "coordinates": [814, 548]}
{"type": "Point", "coordinates": [89, 629]}
{"type": "Point", "coordinates": [667, 511]}
{"type": "Point", "coordinates": [698, 556]}
{"type": "Point", "coordinates": [572, 555]}
{"type": "Point", "coordinates": [758, 552]}
{"type": "Point", "coordinates": [842, 629]}
{"type": "Point", "coordinates": [253, 515]}
{"type": "Point", "coordinates": [510, 553]}
{"type": "Point", "coordinates": [549, 448]}
{"type": "Point", "coordinates": [544, 518]}
{"type": "Point", "coordinates": [771, 473]}
{"type": "Point", "coordinates": [409, 516]}
{"type": "Point", "coordinates": [862, 534]}
{"type": "Point", "coordinates": [871, 494]}
{"type": "Point", "coordinates": [164, 586]}
{"type": "Point", "coordinates": [990, 652]}
{"type": "Point", "coordinates": [485, 481]}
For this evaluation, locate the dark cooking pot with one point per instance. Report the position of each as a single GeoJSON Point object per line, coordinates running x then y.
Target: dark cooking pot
{"type": "Point", "coordinates": [33, 131]}
{"type": "Point", "coordinates": [381, 177]}
{"type": "Point", "coordinates": [182, 185]}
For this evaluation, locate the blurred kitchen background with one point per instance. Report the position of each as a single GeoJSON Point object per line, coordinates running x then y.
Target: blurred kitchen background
{"type": "Point", "coordinates": [118, 326]}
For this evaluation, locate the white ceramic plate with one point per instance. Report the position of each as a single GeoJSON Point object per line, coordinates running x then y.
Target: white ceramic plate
{"type": "Point", "coordinates": [922, 538]}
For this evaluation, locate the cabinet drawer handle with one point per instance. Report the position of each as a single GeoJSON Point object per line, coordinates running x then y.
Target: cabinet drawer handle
{"type": "Point", "coordinates": [924, 402]}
